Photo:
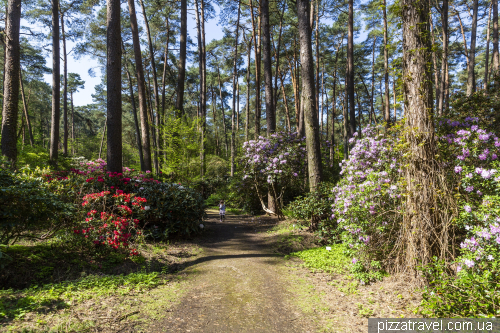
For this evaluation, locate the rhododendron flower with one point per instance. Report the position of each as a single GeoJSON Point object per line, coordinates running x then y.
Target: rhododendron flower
{"type": "Point", "coordinates": [469, 263]}
{"type": "Point", "coordinates": [467, 208]}
{"type": "Point", "coordinates": [354, 260]}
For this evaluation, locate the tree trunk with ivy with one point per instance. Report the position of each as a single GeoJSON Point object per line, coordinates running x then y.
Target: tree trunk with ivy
{"type": "Point", "coordinates": [424, 231]}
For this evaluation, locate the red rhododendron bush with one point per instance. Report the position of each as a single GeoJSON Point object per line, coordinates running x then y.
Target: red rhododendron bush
{"type": "Point", "coordinates": [115, 210]}
{"type": "Point", "coordinates": [112, 219]}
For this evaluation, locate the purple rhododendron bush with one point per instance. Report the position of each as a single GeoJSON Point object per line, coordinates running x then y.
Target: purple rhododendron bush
{"type": "Point", "coordinates": [272, 165]}
{"type": "Point", "coordinates": [369, 202]}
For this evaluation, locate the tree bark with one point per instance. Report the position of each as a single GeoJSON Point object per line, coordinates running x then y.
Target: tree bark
{"type": "Point", "coordinates": [235, 71]}
{"type": "Point", "coordinates": [256, 41]}
{"type": "Point", "coordinates": [134, 111]}
{"type": "Point", "coordinates": [471, 76]}
{"type": "Point", "coordinates": [308, 92]}
{"type": "Point", "coordinates": [444, 61]}
{"type": "Point", "coordinates": [141, 87]}
{"type": "Point", "coordinates": [350, 70]}
{"type": "Point", "coordinates": [114, 87]}
{"type": "Point", "coordinates": [496, 59]}
{"type": "Point", "coordinates": [25, 108]}
{"type": "Point", "coordinates": [487, 56]}
{"type": "Point", "coordinates": [420, 222]}
{"type": "Point", "coordinates": [434, 60]}
{"type": "Point", "coordinates": [56, 85]}
{"type": "Point", "coordinates": [222, 106]}
{"type": "Point", "coordinates": [247, 117]}
{"type": "Point", "coordinates": [65, 88]}
{"type": "Point", "coordinates": [155, 87]}
{"type": "Point", "coordinates": [179, 104]}
{"type": "Point", "coordinates": [387, 111]}
{"type": "Point", "coordinates": [372, 108]}
{"type": "Point", "coordinates": [11, 82]}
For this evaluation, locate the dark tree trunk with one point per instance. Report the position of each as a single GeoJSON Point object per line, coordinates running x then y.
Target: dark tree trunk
{"type": "Point", "coordinates": [179, 104]}
{"type": "Point", "coordinates": [65, 89]}
{"type": "Point", "coordinates": [308, 92]}
{"type": "Point", "coordinates": [56, 85]}
{"type": "Point", "coordinates": [268, 72]}
{"type": "Point", "coordinates": [471, 76]}
{"type": "Point", "coordinates": [136, 120]}
{"type": "Point", "coordinates": [235, 72]}
{"type": "Point", "coordinates": [247, 116]}
{"type": "Point", "coordinates": [11, 81]}
{"type": "Point", "coordinates": [72, 125]}
{"type": "Point", "coordinates": [350, 70]}
{"type": "Point", "coordinates": [141, 87]}
{"type": "Point", "coordinates": [25, 108]}
{"type": "Point", "coordinates": [372, 108]}
{"type": "Point", "coordinates": [434, 62]}
{"type": "Point", "coordinates": [420, 223]}
{"type": "Point", "coordinates": [487, 55]}
{"type": "Point", "coordinates": [387, 111]}
{"type": "Point", "coordinates": [496, 60]}
{"type": "Point", "coordinates": [114, 87]}
{"type": "Point", "coordinates": [256, 42]}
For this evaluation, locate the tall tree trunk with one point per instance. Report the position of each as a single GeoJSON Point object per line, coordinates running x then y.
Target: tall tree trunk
{"type": "Point", "coordinates": [72, 125]}
{"type": "Point", "coordinates": [214, 115]}
{"type": "Point", "coordinates": [247, 116]}
{"type": "Point", "coordinates": [444, 60]}
{"type": "Point", "coordinates": [471, 76]}
{"type": "Point", "coordinates": [202, 101]}
{"type": "Point", "coordinates": [134, 111]}
{"type": "Point", "coordinates": [350, 69]}
{"type": "Point", "coordinates": [25, 108]}
{"type": "Point", "coordinates": [334, 101]}
{"type": "Point", "coordinates": [11, 81]}
{"type": "Point", "coordinates": [102, 138]}
{"type": "Point", "coordinates": [256, 42]}
{"type": "Point", "coordinates": [496, 59]}
{"type": "Point", "coordinates": [285, 101]}
{"type": "Point", "coordinates": [372, 109]}
{"type": "Point", "coordinates": [316, 35]}
{"type": "Point", "coordinates": [487, 56]}
{"type": "Point", "coordinates": [308, 93]}
{"type": "Point", "coordinates": [387, 111]}
{"type": "Point", "coordinates": [114, 87]}
{"type": "Point", "coordinates": [65, 88]}
{"type": "Point", "coordinates": [419, 223]}
{"type": "Point", "coordinates": [56, 85]}
{"type": "Point", "coordinates": [434, 60]}
{"type": "Point", "coordinates": [155, 87]}
{"type": "Point", "coordinates": [345, 116]}
{"type": "Point", "coordinates": [222, 106]}
{"type": "Point", "coordinates": [141, 88]}
{"type": "Point", "coordinates": [165, 65]}
{"type": "Point", "coordinates": [179, 104]}
{"type": "Point", "coordinates": [235, 72]}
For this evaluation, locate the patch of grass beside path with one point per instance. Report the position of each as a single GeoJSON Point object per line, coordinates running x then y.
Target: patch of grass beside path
{"type": "Point", "coordinates": [16, 304]}
{"type": "Point", "coordinates": [321, 259]}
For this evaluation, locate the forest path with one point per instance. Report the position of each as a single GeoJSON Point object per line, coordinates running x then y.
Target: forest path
{"type": "Point", "coordinates": [237, 285]}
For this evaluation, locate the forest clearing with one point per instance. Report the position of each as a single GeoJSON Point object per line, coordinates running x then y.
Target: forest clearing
{"type": "Point", "coordinates": [352, 145]}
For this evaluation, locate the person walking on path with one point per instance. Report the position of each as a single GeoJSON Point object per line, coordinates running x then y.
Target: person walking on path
{"type": "Point", "coordinates": [222, 210]}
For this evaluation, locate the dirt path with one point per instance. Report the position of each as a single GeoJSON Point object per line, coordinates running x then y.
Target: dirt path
{"type": "Point", "coordinates": [236, 285]}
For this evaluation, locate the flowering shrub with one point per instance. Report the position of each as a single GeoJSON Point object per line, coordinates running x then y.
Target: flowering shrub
{"type": "Point", "coordinates": [111, 219]}
{"type": "Point", "coordinates": [366, 200]}
{"type": "Point", "coordinates": [474, 288]}
{"type": "Point", "coordinates": [274, 163]}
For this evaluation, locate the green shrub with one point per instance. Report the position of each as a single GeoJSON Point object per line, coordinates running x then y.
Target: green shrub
{"type": "Point", "coordinates": [29, 207]}
{"type": "Point", "coordinates": [468, 294]}
{"type": "Point", "coordinates": [173, 209]}
{"type": "Point", "coordinates": [313, 204]}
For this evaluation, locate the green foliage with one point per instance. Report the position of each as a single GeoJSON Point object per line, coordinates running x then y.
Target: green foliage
{"type": "Point", "coordinates": [312, 204]}
{"type": "Point", "coordinates": [61, 295]}
{"type": "Point", "coordinates": [181, 144]}
{"type": "Point", "coordinates": [29, 207]}
{"type": "Point", "coordinates": [333, 261]}
{"type": "Point", "coordinates": [468, 294]}
{"type": "Point", "coordinates": [173, 209]}
{"type": "Point", "coordinates": [373, 272]}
